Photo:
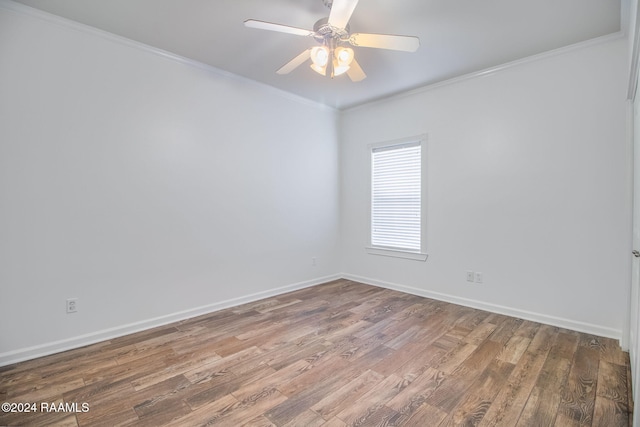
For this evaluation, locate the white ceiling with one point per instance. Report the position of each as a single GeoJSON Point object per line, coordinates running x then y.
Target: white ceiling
{"type": "Point", "coordinates": [457, 36]}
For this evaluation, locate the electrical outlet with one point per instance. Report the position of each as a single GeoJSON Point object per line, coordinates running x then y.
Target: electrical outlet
{"type": "Point", "coordinates": [478, 278]}
{"type": "Point", "coordinates": [313, 262]}
{"type": "Point", "coordinates": [72, 305]}
{"type": "Point", "coordinates": [469, 276]}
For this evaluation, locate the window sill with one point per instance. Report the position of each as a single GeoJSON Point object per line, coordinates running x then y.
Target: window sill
{"type": "Point", "coordinates": [397, 253]}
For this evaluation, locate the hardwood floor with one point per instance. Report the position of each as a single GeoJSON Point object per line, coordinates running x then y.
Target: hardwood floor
{"type": "Point", "coordinates": [337, 354]}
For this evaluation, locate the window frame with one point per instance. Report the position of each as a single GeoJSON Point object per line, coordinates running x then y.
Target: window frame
{"type": "Point", "coordinates": [371, 249]}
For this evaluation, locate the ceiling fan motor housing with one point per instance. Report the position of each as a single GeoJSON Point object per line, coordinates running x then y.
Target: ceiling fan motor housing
{"type": "Point", "coordinates": [325, 32]}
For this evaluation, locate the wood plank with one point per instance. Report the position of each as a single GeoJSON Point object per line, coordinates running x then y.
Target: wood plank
{"type": "Point", "coordinates": [294, 406]}
{"type": "Point", "coordinates": [364, 410]}
{"type": "Point", "coordinates": [512, 397]}
{"type": "Point", "coordinates": [259, 421]}
{"type": "Point", "coordinates": [224, 385]}
{"type": "Point", "coordinates": [319, 372]}
{"type": "Point", "coordinates": [276, 380]}
{"type": "Point", "coordinates": [542, 407]}
{"type": "Point", "coordinates": [480, 333]}
{"type": "Point", "coordinates": [514, 349]}
{"type": "Point", "coordinates": [408, 402]}
{"type": "Point", "coordinates": [578, 399]}
{"type": "Point", "coordinates": [611, 405]}
{"type": "Point", "coordinates": [455, 385]}
{"type": "Point", "coordinates": [208, 414]}
{"type": "Point", "coordinates": [343, 397]}
{"type": "Point", "coordinates": [425, 415]}
{"type": "Point", "coordinates": [334, 422]}
{"type": "Point", "coordinates": [308, 418]}
{"type": "Point", "coordinates": [475, 404]}
{"type": "Point", "coordinates": [104, 401]}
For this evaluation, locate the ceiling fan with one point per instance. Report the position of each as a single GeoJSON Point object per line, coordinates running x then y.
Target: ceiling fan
{"type": "Point", "coordinates": [332, 55]}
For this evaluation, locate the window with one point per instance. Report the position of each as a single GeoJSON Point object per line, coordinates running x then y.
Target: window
{"type": "Point", "coordinates": [396, 200]}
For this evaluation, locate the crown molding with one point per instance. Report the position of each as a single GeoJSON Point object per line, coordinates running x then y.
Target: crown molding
{"type": "Point", "coordinates": [494, 70]}
{"type": "Point", "coordinates": [21, 9]}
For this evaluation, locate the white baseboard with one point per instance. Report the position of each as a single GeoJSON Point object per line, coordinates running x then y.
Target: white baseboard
{"type": "Point", "coordinates": [28, 353]}
{"type": "Point", "coordinates": [574, 325]}
{"type": "Point", "coordinates": [46, 349]}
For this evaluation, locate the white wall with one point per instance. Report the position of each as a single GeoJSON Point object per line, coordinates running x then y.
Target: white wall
{"type": "Point", "coordinates": [528, 182]}
{"type": "Point", "coordinates": [149, 188]}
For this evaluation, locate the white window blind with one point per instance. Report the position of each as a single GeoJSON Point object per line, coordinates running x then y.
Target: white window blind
{"type": "Point", "coordinates": [396, 197]}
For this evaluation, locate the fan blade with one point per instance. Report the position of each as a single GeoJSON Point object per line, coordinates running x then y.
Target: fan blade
{"type": "Point", "coordinates": [262, 25]}
{"type": "Point", "coordinates": [295, 62]}
{"type": "Point", "coordinates": [341, 11]}
{"type": "Point", "coordinates": [385, 41]}
{"type": "Point", "coordinates": [355, 73]}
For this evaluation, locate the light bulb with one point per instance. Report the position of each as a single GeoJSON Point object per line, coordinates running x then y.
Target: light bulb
{"type": "Point", "coordinates": [320, 55]}
{"type": "Point", "coordinates": [344, 56]}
